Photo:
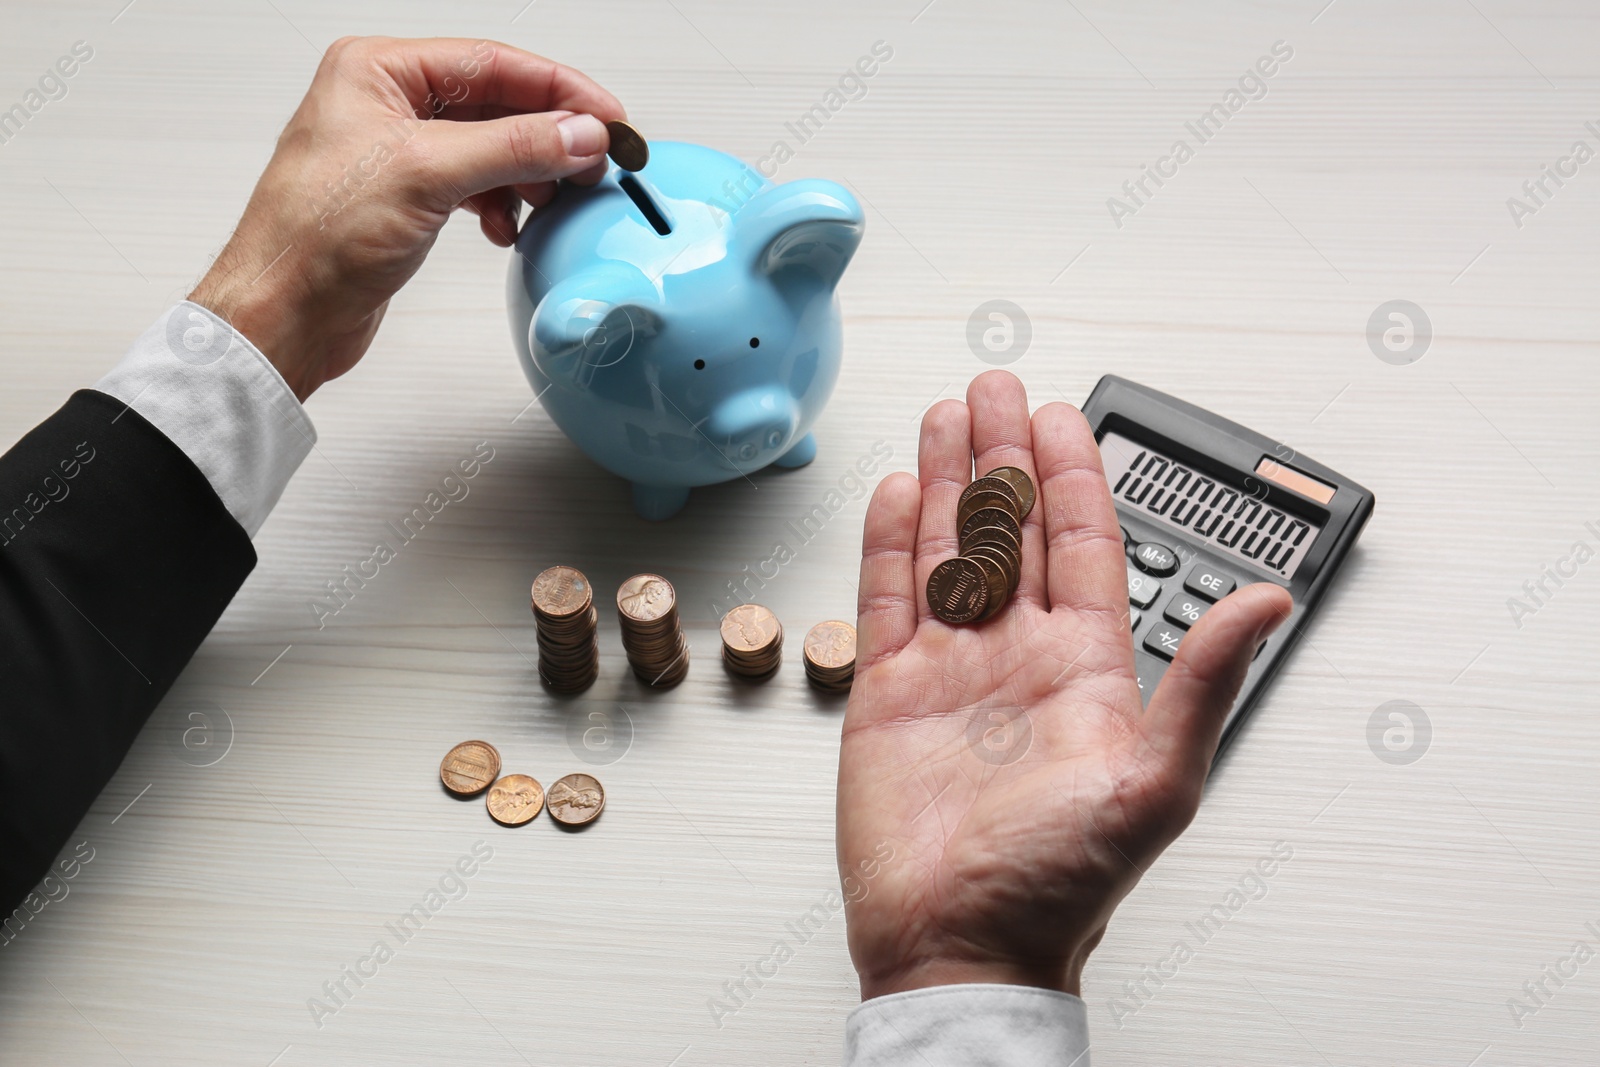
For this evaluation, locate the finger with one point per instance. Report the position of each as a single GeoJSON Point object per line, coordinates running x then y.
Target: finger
{"type": "Point", "coordinates": [1003, 437]}
{"type": "Point", "coordinates": [1186, 713]}
{"type": "Point", "coordinates": [476, 79]}
{"type": "Point", "coordinates": [1087, 570]}
{"type": "Point", "coordinates": [464, 158]}
{"type": "Point", "coordinates": [537, 194]}
{"type": "Point", "coordinates": [498, 214]}
{"type": "Point", "coordinates": [944, 467]}
{"type": "Point", "coordinates": [886, 604]}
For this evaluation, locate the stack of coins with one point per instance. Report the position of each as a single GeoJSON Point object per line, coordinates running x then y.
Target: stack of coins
{"type": "Point", "coordinates": [647, 609]}
{"type": "Point", "coordinates": [979, 582]}
{"type": "Point", "coordinates": [563, 607]}
{"type": "Point", "coordinates": [752, 642]}
{"type": "Point", "coordinates": [831, 656]}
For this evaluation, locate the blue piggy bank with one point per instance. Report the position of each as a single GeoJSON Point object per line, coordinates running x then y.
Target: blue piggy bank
{"type": "Point", "coordinates": [680, 324]}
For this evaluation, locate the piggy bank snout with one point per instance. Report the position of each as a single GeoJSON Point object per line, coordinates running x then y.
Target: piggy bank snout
{"type": "Point", "coordinates": [753, 423]}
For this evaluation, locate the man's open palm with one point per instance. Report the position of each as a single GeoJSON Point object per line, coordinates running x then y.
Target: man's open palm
{"type": "Point", "coordinates": [1011, 764]}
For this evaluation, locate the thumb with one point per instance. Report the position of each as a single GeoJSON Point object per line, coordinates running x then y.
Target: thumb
{"type": "Point", "coordinates": [473, 157]}
{"type": "Point", "coordinates": [1184, 720]}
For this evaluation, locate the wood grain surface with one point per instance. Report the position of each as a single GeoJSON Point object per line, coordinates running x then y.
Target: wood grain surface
{"type": "Point", "coordinates": [1377, 166]}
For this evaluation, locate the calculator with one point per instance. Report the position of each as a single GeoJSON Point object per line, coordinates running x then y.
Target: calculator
{"type": "Point", "coordinates": [1207, 506]}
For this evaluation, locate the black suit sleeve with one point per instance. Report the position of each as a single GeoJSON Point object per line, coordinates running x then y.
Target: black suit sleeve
{"type": "Point", "coordinates": [116, 559]}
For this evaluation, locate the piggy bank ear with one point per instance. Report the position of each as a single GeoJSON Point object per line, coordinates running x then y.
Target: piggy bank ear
{"type": "Point", "coordinates": [810, 227]}
{"type": "Point", "coordinates": [592, 320]}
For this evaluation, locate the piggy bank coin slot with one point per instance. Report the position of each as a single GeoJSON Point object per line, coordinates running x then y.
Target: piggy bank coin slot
{"type": "Point", "coordinates": [647, 207]}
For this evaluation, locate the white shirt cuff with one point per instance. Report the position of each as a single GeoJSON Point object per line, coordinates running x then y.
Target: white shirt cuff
{"type": "Point", "coordinates": [969, 1026]}
{"type": "Point", "coordinates": [216, 397]}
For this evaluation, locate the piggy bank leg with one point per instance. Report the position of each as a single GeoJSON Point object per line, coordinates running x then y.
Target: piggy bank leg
{"type": "Point", "coordinates": [657, 502]}
{"type": "Point", "coordinates": [803, 452]}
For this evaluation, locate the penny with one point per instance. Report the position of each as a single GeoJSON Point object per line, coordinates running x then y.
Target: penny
{"type": "Point", "coordinates": [996, 583]}
{"type": "Point", "coordinates": [752, 641]}
{"type": "Point", "coordinates": [646, 597]}
{"type": "Point", "coordinates": [990, 484]}
{"type": "Point", "coordinates": [985, 498]}
{"type": "Point", "coordinates": [647, 613]}
{"type": "Point", "coordinates": [566, 623]}
{"type": "Point", "coordinates": [514, 800]}
{"type": "Point", "coordinates": [576, 799]}
{"type": "Point", "coordinates": [993, 535]}
{"type": "Point", "coordinates": [1020, 483]}
{"type": "Point", "coordinates": [830, 655]}
{"type": "Point", "coordinates": [469, 768]}
{"type": "Point", "coordinates": [1009, 564]}
{"type": "Point", "coordinates": [561, 592]}
{"type": "Point", "coordinates": [956, 590]}
{"type": "Point", "coordinates": [1006, 520]}
{"type": "Point", "coordinates": [629, 150]}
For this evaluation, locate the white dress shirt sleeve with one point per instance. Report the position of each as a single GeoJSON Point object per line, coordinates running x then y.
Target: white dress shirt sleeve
{"type": "Point", "coordinates": [969, 1026]}
{"type": "Point", "coordinates": [216, 397]}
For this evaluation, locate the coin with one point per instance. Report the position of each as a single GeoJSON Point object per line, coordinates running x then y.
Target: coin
{"type": "Point", "coordinates": [956, 590]}
{"type": "Point", "coordinates": [577, 799]}
{"type": "Point", "coordinates": [651, 635]}
{"type": "Point", "coordinates": [990, 484]}
{"type": "Point", "coordinates": [469, 768]}
{"type": "Point", "coordinates": [993, 535]}
{"type": "Point", "coordinates": [514, 800]}
{"type": "Point", "coordinates": [566, 623]}
{"type": "Point", "coordinates": [985, 498]}
{"type": "Point", "coordinates": [1006, 520]}
{"type": "Point", "coordinates": [752, 641]}
{"type": "Point", "coordinates": [1008, 563]}
{"type": "Point", "coordinates": [830, 655]}
{"type": "Point", "coordinates": [1019, 481]}
{"type": "Point", "coordinates": [996, 583]}
{"type": "Point", "coordinates": [561, 592]}
{"type": "Point", "coordinates": [628, 149]}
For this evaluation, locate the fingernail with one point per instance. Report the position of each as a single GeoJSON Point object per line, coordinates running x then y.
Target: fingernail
{"type": "Point", "coordinates": [582, 135]}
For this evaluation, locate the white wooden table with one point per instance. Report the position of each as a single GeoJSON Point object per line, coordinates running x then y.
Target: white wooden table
{"type": "Point", "coordinates": [1419, 898]}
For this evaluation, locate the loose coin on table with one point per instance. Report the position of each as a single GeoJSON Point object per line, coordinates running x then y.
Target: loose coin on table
{"type": "Point", "coordinates": [576, 799]}
{"type": "Point", "coordinates": [469, 768]}
{"type": "Point", "coordinates": [514, 800]}
{"type": "Point", "coordinates": [752, 641]}
{"type": "Point", "coordinates": [566, 621]}
{"type": "Point", "coordinates": [647, 609]}
{"type": "Point", "coordinates": [830, 655]}
{"type": "Point", "coordinates": [628, 150]}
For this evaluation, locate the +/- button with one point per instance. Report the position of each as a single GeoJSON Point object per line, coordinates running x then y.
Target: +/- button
{"type": "Point", "coordinates": [1163, 641]}
{"type": "Point", "coordinates": [1156, 559]}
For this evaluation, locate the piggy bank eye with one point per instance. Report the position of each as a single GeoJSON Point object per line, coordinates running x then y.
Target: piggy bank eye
{"type": "Point", "coordinates": [699, 364]}
{"type": "Point", "coordinates": [755, 342]}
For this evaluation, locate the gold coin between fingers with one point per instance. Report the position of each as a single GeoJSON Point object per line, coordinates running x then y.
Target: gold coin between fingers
{"type": "Point", "coordinates": [629, 150]}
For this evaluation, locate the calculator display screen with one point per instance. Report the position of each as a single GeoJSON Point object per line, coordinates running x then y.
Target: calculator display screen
{"type": "Point", "coordinates": [1213, 513]}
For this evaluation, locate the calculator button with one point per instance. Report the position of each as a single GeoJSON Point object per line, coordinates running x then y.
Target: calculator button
{"type": "Point", "coordinates": [1142, 589]}
{"type": "Point", "coordinates": [1205, 582]}
{"type": "Point", "coordinates": [1185, 610]}
{"type": "Point", "coordinates": [1135, 616]}
{"type": "Point", "coordinates": [1156, 558]}
{"type": "Point", "coordinates": [1127, 538]}
{"type": "Point", "coordinates": [1163, 640]}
